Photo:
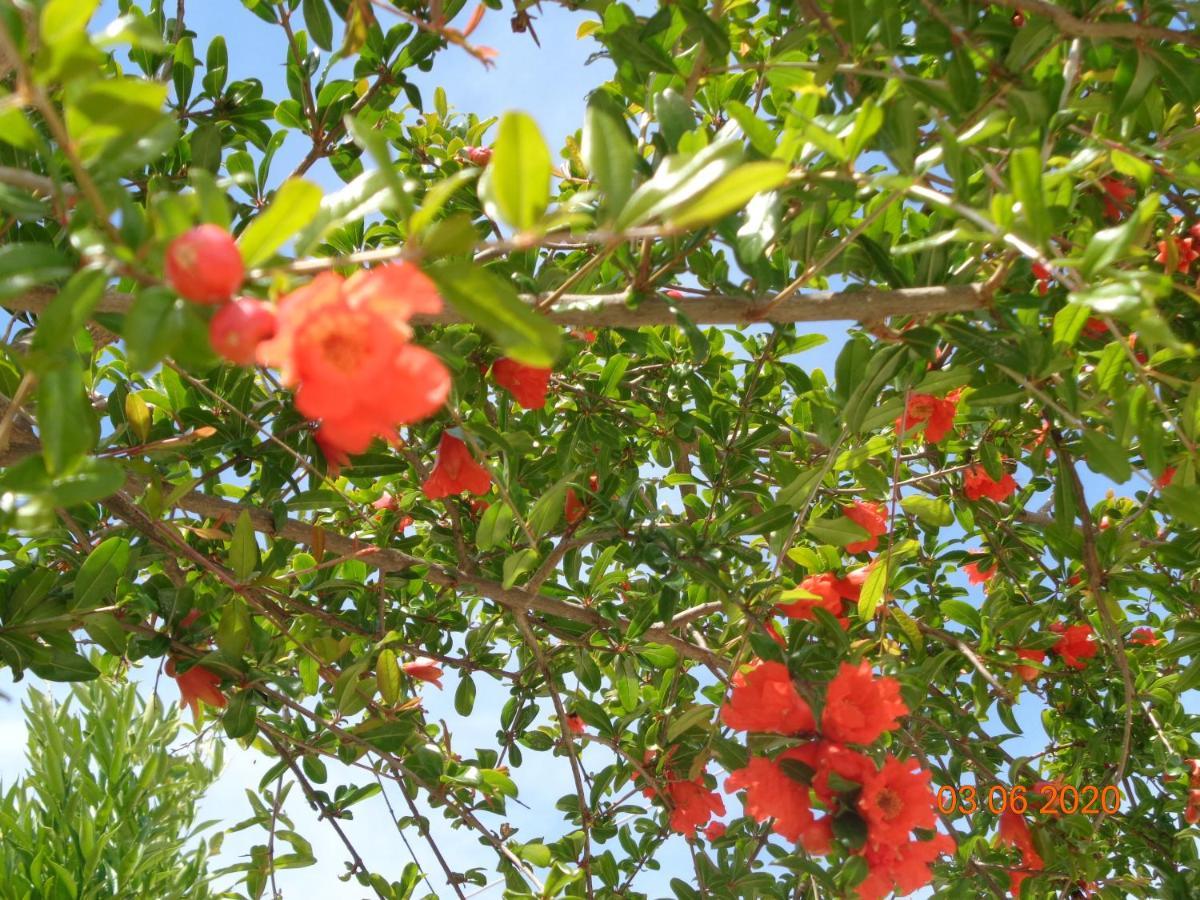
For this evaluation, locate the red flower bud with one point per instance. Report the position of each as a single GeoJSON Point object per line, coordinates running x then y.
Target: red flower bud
{"type": "Point", "coordinates": [239, 327]}
{"type": "Point", "coordinates": [477, 156]}
{"type": "Point", "coordinates": [204, 265]}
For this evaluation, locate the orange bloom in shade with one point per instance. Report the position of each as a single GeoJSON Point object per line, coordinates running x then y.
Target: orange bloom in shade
{"type": "Point", "coordinates": [860, 707]}
{"type": "Point", "coordinates": [197, 685]}
{"type": "Point", "coordinates": [935, 415]}
{"type": "Point", "coordinates": [1184, 250]}
{"type": "Point", "coordinates": [1077, 642]}
{"type": "Point", "coordinates": [1144, 636]}
{"type": "Point", "coordinates": [575, 724]}
{"type": "Point", "coordinates": [977, 484]}
{"type": "Point", "coordinates": [576, 509]}
{"type": "Point", "coordinates": [824, 593]}
{"type": "Point", "coordinates": [692, 804]}
{"type": "Point", "coordinates": [1165, 479]}
{"type": "Point", "coordinates": [528, 384]}
{"type": "Point", "coordinates": [827, 758]}
{"type": "Point", "coordinates": [763, 699]}
{"type": "Point", "coordinates": [1095, 328]}
{"type": "Point", "coordinates": [1014, 831]}
{"type": "Point", "coordinates": [977, 576]}
{"type": "Point", "coordinates": [902, 867]}
{"type": "Point", "coordinates": [424, 669]}
{"type": "Point", "coordinates": [773, 794]}
{"type": "Point", "coordinates": [895, 800]}
{"type": "Point", "coordinates": [345, 346]}
{"type": "Point", "coordinates": [714, 831]}
{"type": "Point", "coordinates": [1028, 673]}
{"type": "Point", "coordinates": [455, 471]}
{"type": "Point", "coordinates": [870, 516]}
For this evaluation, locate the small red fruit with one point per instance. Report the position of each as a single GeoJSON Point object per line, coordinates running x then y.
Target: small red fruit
{"type": "Point", "coordinates": [1018, 19]}
{"type": "Point", "coordinates": [477, 156]}
{"type": "Point", "coordinates": [203, 265]}
{"type": "Point", "coordinates": [239, 327]}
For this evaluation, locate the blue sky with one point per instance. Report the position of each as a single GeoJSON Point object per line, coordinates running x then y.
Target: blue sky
{"type": "Point", "coordinates": [550, 83]}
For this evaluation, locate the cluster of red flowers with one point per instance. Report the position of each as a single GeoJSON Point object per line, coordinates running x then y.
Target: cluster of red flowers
{"type": "Point", "coordinates": [827, 591]}
{"type": "Point", "coordinates": [1075, 644]}
{"type": "Point", "coordinates": [691, 801]}
{"type": "Point", "coordinates": [935, 415]}
{"type": "Point", "coordinates": [892, 801]}
{"type": "Point", "coordinates": [977, 484]}
{"type": "Point", "coordinates": [871, 517]}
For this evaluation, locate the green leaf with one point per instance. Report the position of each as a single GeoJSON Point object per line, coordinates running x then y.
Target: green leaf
{"type": "Point", "coordinates": [114, 110]}
{"type": "Point", "coordinates": [65, 419]}
{"type": "Point", "coordinates": [238, 718]}
{"type": "Point", "coordinates": [1068, 324]}
{"type": "Point", "coordinates": [492, 303]}
{"type": "Point", "coordinates": [63, 665]}
{"type": "Point", "coordinates": [294, 206]}
{"type": "Point", "coordinates": [68, 311]}
{"type": "Point", "coordinates": [494, 526]}
{"type": "Point", "coordinates": [376, 145]}
{"type": "Point", "coordinates": [437, 196]}
{"type": "Point", "coordinates": [837, 532]}
{"type": "Point", "coordinates": [464, 696]}
{"type": "Point", "coordinates": [1105, 456]}
{"type": "Point", "coordinates": [700, 714]}
{"type": "Point", "coordinates": [679, 180]}
{"type": "Point", "coordinates": [1109, 245]}
{"type": "Point", "coordinates": [609, 155]}
{"type": "Point", "coordinates": [24, 265]}
{"type": "Point", "coordinates": [153, 326]}
{"type": "Point", "coordinates": [628, 683]}
{"type": "Point", "coordinates": [63, 21]}
{"type": "Point", "coordinates": [731, 193]}
{"type": "Point", "coordinates": [320, 25]}
{"type": "Point", "coordinates": [962, 613]}
{"type": "Point", "coordinates": [518, 564]}
{"type": "Point", "coordinates": [233, 631]}
{"type": "Point", "coordinates": [243, 548]}
{"type": "Point", "coordinates": [387, 677]}
{"type": "Point", "coordinates": [516, 185]}
{"type": "Point", "coordinates": [1025, 168]}
{"type": "Point", "coordinates": [930, 510]}
{"type": "Point", "coordinates": [100, 572]}
{"type": "Point", "coordinates": [762, 138]}
{"type": "Point", "coordinates": [873, 589]}
{"type": "Point", "coordinates": [547, 512]}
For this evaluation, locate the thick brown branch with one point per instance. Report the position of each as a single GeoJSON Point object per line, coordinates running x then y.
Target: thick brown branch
{"type": "Point", "coordinates": [614, 311]}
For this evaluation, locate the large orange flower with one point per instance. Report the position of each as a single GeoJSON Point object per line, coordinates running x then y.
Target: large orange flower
{"type": "Point", "coordinates": [872, 517]}
{"type": "Point", "coordinates": [895, 800]}
{"type": "Point", "coordinates": [763, 699]}
{"type": "Point", "coordinates": [197, 685]}
{"type": "Point", "coordinates": [902, 867]}
{"type": "Point", "coordinates": [860, 707]}
{"type": "Point", "coordinates": [823, 592]}
{"type": "Point", "coordinates": [977, 484]}
{"type": "Point", "coordinates": [771, 793]}
{"type": "Point", "coordinates": [455, 471]}
{"type": "Point", "coordinates": [934, 414]}
{"type": "Point", "coordinates": [694, 804]}
{"type": "Point", "coordinates": [528, 384]}
{"type": "Point", "coordinates": [1078, 642]}
{"type": "Point", "coordinates": [345, 346]}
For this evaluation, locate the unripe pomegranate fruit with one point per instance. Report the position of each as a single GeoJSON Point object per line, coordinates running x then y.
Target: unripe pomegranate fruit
{"type": "Point", "coordinates": [204, 265]}
{"type": "Point", "coordinates": [239, 327]}
{"type": "Point", "coordinates": [477, 156]}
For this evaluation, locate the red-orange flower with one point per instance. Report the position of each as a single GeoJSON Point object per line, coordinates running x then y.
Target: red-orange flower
{"type": "Point", "coordinates": [528, 384]}
{"type": "Point", "coordinates": [859, 707]}
{"type": "Point", "coordinates": [1095, 328]}
{"type": "Point", "coordinates": [977, 483]}
{"type": "Point", "coordinates": [335, 456]}
{"type": "Point", "coordinates": [935, 415]}
{"type": "Point", "coordinates": [424, 669]}
{"type": "Point", "coordinates": [825, 594]}
{"type": "Point", "coordinates": [197, 685]}
{"type": "Point", "coordinates": [773, 794]}
{"type": "Point", "coordinates": [455, 471]}
{"type": "Point", "coordinates": [692, 804]}
{"type": "Point", "coordinates": [895, 800]}
{"type": "Point", "coordinates": [1077, 642]}
{"type": "Point", "coordinates": [1028, 673]}
{"type": "Point", "coordinates": [763, 699]}
{"type": "Point", "coordinates": [975, 575]}
{"type": "Point", "coordinates": [872, 517]}
{"type": "Point", "coordinates": [714, 831]}
{"type": "Point", "coordinates": [827, 758]}
{"type": "Point", "coordinates": [1184, 250]}
{"type": "Point", "coordinates": [345, 345]}
{"type": "Point", "coordinates": [575, 724]}
{"type": "Point", "coordinates": [1116, 192]}
{"type": "Point", "coordinates": [576, 509]}
{"type": "Point", "coordinates": [1145, 637]}
{"type": "Point", "coordinates": [902, 867]}
{"type": "Point", "coordinates": [1014, 832]}
{"type": "Point", "coordinates": [1165, 479]}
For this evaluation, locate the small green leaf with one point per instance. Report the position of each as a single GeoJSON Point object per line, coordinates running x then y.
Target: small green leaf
{"type": "Point", "coordinates": [609, 155]}
{"type": "Point", "coordinates": [319, 22]}
{"type": "Point", "coordinates": [872, 590]}
{"type": "Point", "coordinates": [63, 665]}
{"type": "Point", "coordinates": [516, 185]}
{"type": "Point", "coordinates": [98, 576]}
{"type": "Point", "coordinates": [67, 425]}
{"type": "Point", "coordinates": [930, 510]}
{"type": "Point", "coordinates": [293, 207]}
{"type": "Point", "coordinates": [239, 718]}
{"type": "Point", "coordinates": [464, 696]}
{"type": "Point", "coordinates": [838, 532]}
{"type": "Point", "coordinates": [24, 265]}
{"type": "Point", "coordinates": [387, 677]}
{"type": "Point", "coordinates": [233, 632]}
{"type": "Point", "coordinates": [153, 326]}
{"type": "Point", "coordinates": [1025, 168]}
{"type": "Point", "coordinates": [243, 548]}
{"type": "Point", "coordinates": [494, 526]}
{"type": "Point", "coordinates": [731, 193]}
{"type": "Point", "coordinates": [518, 564]}
{"type": "Point", "coordinates": [492, 303]}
